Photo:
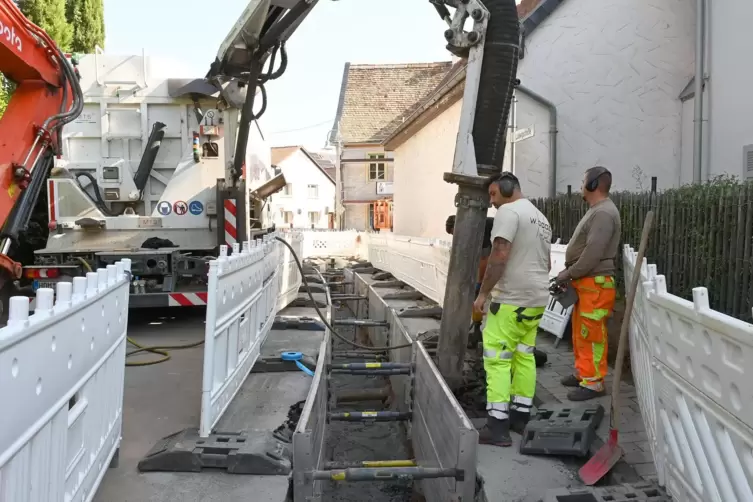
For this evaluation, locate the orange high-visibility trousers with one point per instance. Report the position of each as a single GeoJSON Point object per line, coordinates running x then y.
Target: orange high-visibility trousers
{"type": "Point", "coordinates": [478, 316]}
{"type": "Point", "coordinates": [596, 297]}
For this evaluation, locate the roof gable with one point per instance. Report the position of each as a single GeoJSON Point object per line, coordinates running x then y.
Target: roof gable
{"type": "Point", "coordinates": [281, 153]}
{"type": "Point", "coordinates": [374, 99]}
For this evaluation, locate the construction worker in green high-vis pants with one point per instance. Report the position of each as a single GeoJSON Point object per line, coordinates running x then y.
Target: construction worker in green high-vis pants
{"type": "Point", "coordinates": [517, 278]}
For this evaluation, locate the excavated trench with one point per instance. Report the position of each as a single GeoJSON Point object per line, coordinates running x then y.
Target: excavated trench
{"type": "Point", "coordinates": [363, 441]}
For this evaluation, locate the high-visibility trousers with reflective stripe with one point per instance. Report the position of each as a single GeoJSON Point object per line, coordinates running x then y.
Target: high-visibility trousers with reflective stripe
{"type": "Point", "coordinates": [478, 316]}
{"type": "Point", "coordinates": [509, 339]}
{"type": "Point", "coordinates": [596, 297]}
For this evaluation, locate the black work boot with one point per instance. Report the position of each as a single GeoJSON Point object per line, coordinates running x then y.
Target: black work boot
{"type": "Point", "coordinates": [584, 394]}
{"type": "Point", "coordinates": [540, 357]}
{"type": "Point", "coordinates": [570, 381]}
{"type": "Point", "coordinates": [496, 433]}
{"type": "Point", "coordinates": [518, 421]}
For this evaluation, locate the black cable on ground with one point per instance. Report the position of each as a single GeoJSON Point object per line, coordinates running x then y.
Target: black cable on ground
{"type": "Point", "coordinates": [323, 318]}
{"type": "Point", "coordinates": [159, 350]}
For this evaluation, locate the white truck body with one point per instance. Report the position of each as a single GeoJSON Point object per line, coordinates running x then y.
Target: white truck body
{"type": "Point", "coordinates": [125, 96]}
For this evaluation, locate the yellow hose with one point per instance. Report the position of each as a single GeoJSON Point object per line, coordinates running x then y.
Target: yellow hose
{"type": "Point", "coordinates": [159, 350]}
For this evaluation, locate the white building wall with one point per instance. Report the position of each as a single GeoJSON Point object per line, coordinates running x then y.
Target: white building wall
{"type": "Point", "coordinates": [423, 200]}
{"type": "Point", "coordinates": [614, 69]}
{"type": "Point", "coordinates": [730, 83]}
{"type": "Point", "coordinates": [532, 164]}
{"type": "Point", "coordinates": [300, 172]}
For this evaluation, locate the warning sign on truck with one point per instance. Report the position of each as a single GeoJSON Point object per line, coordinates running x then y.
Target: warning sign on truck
{"type": "Point", "coordinates": [180, 208]}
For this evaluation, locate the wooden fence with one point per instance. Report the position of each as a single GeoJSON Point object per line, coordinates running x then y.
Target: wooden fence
{"type": "Point", "coordinates": [701, 237]}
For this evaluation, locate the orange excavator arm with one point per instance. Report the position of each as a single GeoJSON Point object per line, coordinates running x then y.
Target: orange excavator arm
{"type": "Point", "coordinates": [47, 96]}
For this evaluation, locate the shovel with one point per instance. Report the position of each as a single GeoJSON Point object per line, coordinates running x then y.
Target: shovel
{"type": "Point", "coordinates": [609, 454]}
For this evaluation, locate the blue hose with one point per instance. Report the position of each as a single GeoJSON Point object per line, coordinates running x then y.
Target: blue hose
{"type": "Point", "coordinates": [296, 356]}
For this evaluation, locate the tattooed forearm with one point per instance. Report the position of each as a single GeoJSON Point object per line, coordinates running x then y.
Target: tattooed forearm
{"type": "Point", "coordinates": [495, 267]}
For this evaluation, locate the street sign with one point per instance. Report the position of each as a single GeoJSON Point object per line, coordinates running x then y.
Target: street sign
{"type": "Point", "coordinates": [384, 188]}
{"type": "Point", "coordinates": [521, 134]}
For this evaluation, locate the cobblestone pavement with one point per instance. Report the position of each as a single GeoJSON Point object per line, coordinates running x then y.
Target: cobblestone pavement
{"type": "Point", "coordinates": [637, 462]}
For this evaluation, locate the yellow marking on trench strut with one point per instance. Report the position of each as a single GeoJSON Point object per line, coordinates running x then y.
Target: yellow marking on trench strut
{"type": "Point", "coordinates": [369, 414]}
{"type": "Point", "coordinates": [346, 414]}
{"type": "Point", "coordinates": [389, 463]}
{"type": "Point", "coordinates": [373, 365]}
{"type": "Point", "coordinates": [338, 476]}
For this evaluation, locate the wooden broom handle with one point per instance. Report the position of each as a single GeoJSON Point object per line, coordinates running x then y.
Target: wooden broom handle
{"type": "Point", "coordinates": [622, 345]}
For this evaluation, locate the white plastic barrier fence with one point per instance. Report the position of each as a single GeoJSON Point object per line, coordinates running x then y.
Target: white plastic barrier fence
{"type": "Point", "coordinates": [347, 243]}
{"type": "Point", "coordinates": [61, 382]}
{"type": "Point", "coordinates": [241, 306]}
{"type": "Point", "coordinates": [423, 263]}
{"type": "Point", "coordinates": [693, 392]}
{"type": "Point", "coordinates": [290, 277]}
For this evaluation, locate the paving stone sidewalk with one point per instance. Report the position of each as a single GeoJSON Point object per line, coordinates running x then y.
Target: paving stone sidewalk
{"type": "Point", "coordinates": [637, 462]}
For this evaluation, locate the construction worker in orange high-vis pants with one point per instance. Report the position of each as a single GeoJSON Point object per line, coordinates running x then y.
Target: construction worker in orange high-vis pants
{"type": "Point", "coordinates": [590, 262]}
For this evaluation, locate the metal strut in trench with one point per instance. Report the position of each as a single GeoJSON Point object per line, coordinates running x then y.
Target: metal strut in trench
{"type": "Point", "coordinates": [372, 470]}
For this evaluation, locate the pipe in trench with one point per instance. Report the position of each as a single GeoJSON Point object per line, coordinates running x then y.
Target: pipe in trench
{"type": "Point", "coordinates": [700, 43]}
{"type": "Point", "coordinates": [552, 135]}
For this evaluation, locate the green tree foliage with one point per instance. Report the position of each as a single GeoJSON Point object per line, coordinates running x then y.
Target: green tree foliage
{"type": "Point", "coordinates": [50, 16]}
{"type": "Point", "coordinates": [88, 22]}
{"type": "Point", "coordinates": [4, 95]}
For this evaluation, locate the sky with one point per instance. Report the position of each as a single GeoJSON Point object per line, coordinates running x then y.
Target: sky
{"type": "Point", "coordinates": [303, 102]}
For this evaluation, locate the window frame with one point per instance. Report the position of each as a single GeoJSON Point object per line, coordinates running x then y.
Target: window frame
{"type": "Point", "coordinates": [377, 168]}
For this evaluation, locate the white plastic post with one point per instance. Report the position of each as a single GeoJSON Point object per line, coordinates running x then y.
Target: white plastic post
{"type": "Point", "coordinates": [45, 303]}
{"type": "Point", "coordinates": [91, 284]}
{"type": "Point", "coordinates": [64, 293]}
{"type": "Point", "coordinates": [79, 289]}
{"type": "Point", "coordinates": [18, 311]}
{"type": "Point", "coordinates": [112, 274]}
{"type": "Point", "coordinates": [101, 279]}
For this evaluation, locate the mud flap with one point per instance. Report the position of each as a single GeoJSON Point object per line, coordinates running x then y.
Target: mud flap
{"type": "Point", "coordinates": [249, 452]}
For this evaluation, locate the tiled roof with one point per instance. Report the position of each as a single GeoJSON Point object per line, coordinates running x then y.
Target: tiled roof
{"type": "Point", "coordinates": [323, 162]}
{"type": "Point", "coordinates": [374, 99]}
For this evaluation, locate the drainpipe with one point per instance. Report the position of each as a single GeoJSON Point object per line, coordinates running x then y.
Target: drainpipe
{"type": "Point", "coordinates": [700, 36]}
{"type": "Point", "coordinates": [552, 135]}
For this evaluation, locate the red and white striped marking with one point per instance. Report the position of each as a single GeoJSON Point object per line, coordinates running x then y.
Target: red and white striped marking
{"type": "Point", "coordinates": [231, 232]}
{"type": "Point", "coordinates": [186, 299]}
{"type": "Point", "coordinates": [51, 200]}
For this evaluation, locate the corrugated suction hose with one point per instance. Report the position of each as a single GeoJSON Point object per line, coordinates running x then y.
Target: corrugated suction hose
{"type": "Point", "coordinates": [498, 74]}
